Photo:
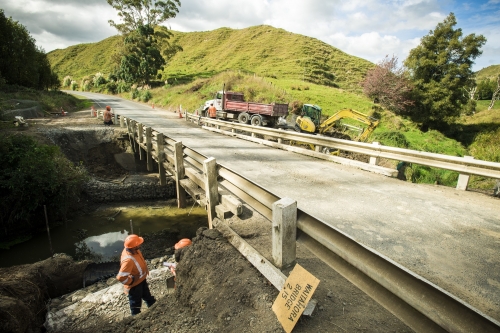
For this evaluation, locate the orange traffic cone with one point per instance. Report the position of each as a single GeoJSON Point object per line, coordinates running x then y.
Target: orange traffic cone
{"type": "Point", "coordinates": [180, 114]}
{"type": "Point", "coordinates": [153, 105]}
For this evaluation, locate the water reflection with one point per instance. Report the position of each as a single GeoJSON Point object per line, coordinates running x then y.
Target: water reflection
{"type": "Point", "coordinates": [107, 245]}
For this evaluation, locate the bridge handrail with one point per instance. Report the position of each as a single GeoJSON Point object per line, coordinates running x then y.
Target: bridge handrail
{"type": "Point", "coordinates": [464, 165]}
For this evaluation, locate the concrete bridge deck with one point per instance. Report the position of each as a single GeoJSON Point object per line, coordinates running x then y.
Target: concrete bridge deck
{"type": "Point", "coordinates": [449, 237]}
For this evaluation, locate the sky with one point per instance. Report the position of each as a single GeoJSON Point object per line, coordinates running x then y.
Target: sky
{"type": "Point", "coordinates": [369, 29]}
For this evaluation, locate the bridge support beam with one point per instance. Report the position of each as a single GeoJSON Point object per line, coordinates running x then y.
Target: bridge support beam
{"type": "Point", "coordinates": [149, 148]}
{"type": "Point", "coordinates": [179, 175]}
{"type": "Point", "coordinates": [284, 232]}
{"type": "Point", "coordinates": [211, 188]}
{"type": "Point", "coordinates": [160, 150]}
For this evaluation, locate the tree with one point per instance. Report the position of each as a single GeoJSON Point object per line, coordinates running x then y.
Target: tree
{"type": "Point", "coordinates": [495, 94]}
{"type": "Point", "coordinates": [142, 56]}
{"type": "Point", "coordinates": [440, 67]}
{"type": "Point", "coordinates": [21, 61]}
{"type": "Point", "coordinates": [387, 83]}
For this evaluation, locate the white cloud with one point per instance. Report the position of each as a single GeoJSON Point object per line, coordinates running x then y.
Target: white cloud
{"type": "Point", "coordinates": [368, 29]}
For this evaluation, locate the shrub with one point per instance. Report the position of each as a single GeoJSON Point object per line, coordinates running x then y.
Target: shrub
{"type": "Point", "coordinates": [74, 85]}
{"type": "Point", "coordinates": [123, 87]}
{"type": "Point", "coordinates": [134, 93]}
{"type": "Point", "coordinates": [145, 95]}
{"type": "Point", "coordinates": [111, 87]}
{"type": "Point", "coordinates": [34, 176]}
{"type": "Point", "coordinates": [67, 81]}
{"type": "Point", "coordinates": [99, 80]}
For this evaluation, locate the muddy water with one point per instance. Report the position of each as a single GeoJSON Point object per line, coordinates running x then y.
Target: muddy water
{"type": "Point", "coordinates": [104, 230]}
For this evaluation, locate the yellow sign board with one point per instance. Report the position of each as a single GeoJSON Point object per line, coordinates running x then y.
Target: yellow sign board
{"type": "Point", "coordinates": [294, 296]}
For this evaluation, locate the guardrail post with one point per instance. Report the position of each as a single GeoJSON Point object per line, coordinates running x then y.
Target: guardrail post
{"type": "Point", "coordinates": [130, 135]}
{"type": "Point", "coordinates": [284, 232]}
{"type": "Point", "coordinates": [134, 135]}
{"type": "Point", "coordinates": [280, 140]}
{"type": "Point", "coordinates": [375, 160]}
{"type": "Point", "coordinates": [211, 191]}
{"type": "Point", "coordinates": [122, 123]}
{"type": "Point", "coordinates": [161, 157]}
{"type": "Point", "coordinates": [318, 148]}
{"type": "Point", "coordinates": [115, 117]}
{"type": "Point", "coordinates": [463, 179]}
{"type": "Point", "coordinates": [149, 149]}
{"type": "Point", "coordinates": [179, 175]}
{"type": "Point", "coordinates": [141, 140]}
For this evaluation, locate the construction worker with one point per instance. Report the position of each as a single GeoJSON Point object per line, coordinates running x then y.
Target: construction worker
{"type": "Point", "coordinates": [132, 274]}
{"type": "Point", "coordinates": [212, 111]}
{"type": "Point", "coordinates": [107, 116]}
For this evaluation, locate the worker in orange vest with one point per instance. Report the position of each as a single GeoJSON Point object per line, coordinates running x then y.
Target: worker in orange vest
{"type": "Point", "coordinates": [212, 111]}
{"type": "Point", "coordinates": [132, 274]}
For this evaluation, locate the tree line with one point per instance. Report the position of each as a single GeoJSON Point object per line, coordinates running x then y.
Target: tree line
{"type": "Point", "coordinates": [21, 61]}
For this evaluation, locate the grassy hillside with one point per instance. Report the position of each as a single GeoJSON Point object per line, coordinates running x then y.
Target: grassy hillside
{"type": "Point", "coordinates": [267, 52]}
{"type": "Point", "coordinates": [490, 72]}
{"type": "Point", "coordinates": [263, 50]}
{"type": "Point", "coordinates": [81, 60]}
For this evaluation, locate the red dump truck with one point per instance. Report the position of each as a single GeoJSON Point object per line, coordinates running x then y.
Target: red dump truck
{"type": "Point", "coordinates": [230, 105]}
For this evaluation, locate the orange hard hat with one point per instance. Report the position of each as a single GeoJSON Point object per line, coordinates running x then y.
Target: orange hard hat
{"type": "Point", "coordinates": [133, 241]}
{"type": "Point", "coordinates": [182, 243]}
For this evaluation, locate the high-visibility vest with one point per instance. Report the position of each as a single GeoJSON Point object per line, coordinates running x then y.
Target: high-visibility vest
{"type": "Point", "coordinates": [133, 269]}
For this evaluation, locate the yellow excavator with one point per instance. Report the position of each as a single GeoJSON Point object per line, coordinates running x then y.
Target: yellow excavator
{"type": "Point", "coordinates": [309, 121]}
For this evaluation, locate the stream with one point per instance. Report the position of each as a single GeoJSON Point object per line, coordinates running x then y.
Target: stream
{"type": "Point", "coordinates": [104, 230]}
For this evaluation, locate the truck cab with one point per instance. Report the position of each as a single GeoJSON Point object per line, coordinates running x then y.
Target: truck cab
{"type": "Point", "coordinates": [217, 101]}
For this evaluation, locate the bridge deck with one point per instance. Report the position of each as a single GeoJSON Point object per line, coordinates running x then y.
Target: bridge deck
{"type": "Point", "coordinates": [449, 237]}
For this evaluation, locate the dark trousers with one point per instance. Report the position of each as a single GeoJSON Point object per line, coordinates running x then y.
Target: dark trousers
{"type": "Point", "coordinates": [137, 294]}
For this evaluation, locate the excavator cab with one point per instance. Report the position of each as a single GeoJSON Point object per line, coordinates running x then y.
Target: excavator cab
{"type": "Point", "coordinates": [309, 118]}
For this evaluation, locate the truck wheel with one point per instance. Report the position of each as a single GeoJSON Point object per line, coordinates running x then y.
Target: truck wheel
{"type": "Point", "coordinates": [256, 120]}
{"type": "Point", "coordinates": [243, 118]}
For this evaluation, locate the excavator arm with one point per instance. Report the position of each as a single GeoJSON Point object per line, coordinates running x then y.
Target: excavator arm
{"type": "Point", "coordinates": [352, 114]}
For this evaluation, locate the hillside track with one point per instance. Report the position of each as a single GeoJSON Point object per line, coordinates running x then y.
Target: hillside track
{"type": "Point", "coordinates": [448, 237]}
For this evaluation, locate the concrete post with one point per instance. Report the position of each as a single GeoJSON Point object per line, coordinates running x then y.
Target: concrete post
{"type": "Point", "coordinates": [115, 118]}
{"type": "Point", "coordinates": [318, 148]}
{"type": "Point", "coordinates": [141, 140]}
{"type": "Point", "coordinates": [122, 123]}
{"type": "Point", "coordinates": [211, 188]}
{"type": "Point", "coordinates": [130, 134]}
{"type": "Point", "coordinates": [375, 160]}
{"type": "Point", "coordinates": [149, 148]}
{"type": "Point", "coordinates": [161, 157]}
{"type": "Point", "coordinates": [179, 175]}
{"type": "Point", "coordinates": [284, 232]}
{"type": "Point", "coordinates": [463, 179]}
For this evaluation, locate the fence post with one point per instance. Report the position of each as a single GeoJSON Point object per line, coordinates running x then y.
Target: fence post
{"type": "Point", "coordinates": [130, 134]}
{"type": "Point", "coordinates": [149, 149]}
{"type": "Point", "coordinates": [284, 232]}
{"type": "Point", "coordinates": [161, 157]}
{"type": "Point", "coordinates": [115, 117]}
{"type": "Point", "coordinates": [375, 160]}
{"type": "Point", "coordinates": [141, 140]}
{"type": "Point", "coordinates": [463, 179]}
{"type": "Point", "coordinates": [122, 124]}
{"type": "Point", "coordinates": [211, 188]}
{"type": "Point", "coordinates": [179, 175]}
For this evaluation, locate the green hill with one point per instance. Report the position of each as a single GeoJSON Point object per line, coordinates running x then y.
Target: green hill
{"type": "Point", "coordinates": [490, 72]}
{"type": "Point", "coordinates": [261, 50]}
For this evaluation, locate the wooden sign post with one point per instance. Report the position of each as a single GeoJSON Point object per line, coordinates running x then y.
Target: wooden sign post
{"type": "Point", "coordinates": [294, 296]}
